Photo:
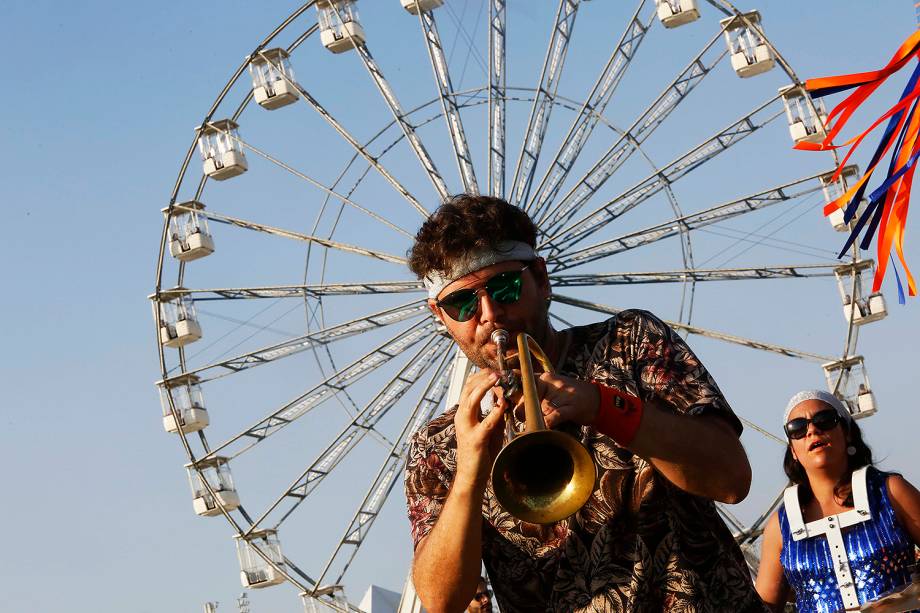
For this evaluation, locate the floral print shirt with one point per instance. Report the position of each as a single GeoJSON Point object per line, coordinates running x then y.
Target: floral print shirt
{"type": "Point", "coordinates": [640, 544]}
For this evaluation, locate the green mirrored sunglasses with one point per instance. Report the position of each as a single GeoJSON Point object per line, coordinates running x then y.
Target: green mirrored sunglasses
{"type": "Point", "coordinates": [503, 288]}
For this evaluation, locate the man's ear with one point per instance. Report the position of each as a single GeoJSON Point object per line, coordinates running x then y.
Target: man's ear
{"type": "Point", "coordinates": [432, 305]}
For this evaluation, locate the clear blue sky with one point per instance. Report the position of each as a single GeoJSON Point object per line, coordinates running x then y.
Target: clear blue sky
{"type": "Point", "coordinates": [100, 99]}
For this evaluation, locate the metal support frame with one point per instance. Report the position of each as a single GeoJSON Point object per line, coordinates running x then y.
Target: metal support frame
{"type": "Point", "coordinates": [542, 107]}
{"type": "Point", "coordinates": [583, 125]}
{"type": "Point", "coordinates": [497, 98]}
{"type": "Point", "coordinates": [448, 103]}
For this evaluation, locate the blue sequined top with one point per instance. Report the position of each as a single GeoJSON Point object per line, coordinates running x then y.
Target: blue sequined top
{"type": "Point", "coordinates": [878, 549]}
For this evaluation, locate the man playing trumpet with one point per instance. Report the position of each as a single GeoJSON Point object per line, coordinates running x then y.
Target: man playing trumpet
{"type": "Point", "coordinates": [663, 439]}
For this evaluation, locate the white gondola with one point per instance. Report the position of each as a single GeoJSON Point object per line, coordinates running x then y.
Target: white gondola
{"type": "Point", "coordinates": [673, 13]}
{"type": "Point", "coordinates": [870, 306]}
{"type": "Point", "coordinates": [749, 52]}
{"type": "Point", "coordinates": [854, 389]}
{"type": "Point", "coordinates": [834, 189]}
{"type": "Point", "coordinates": [272, 79]}
{"type": "Point", "coordinates": [216, 472]}
{"type": "Point", "coordinates": [414, 6]}
{"type": "Point", "coordinates": [189, 236]}
{"type": "Point", "coordinates": [339, 29]}
{"type": "Point", "coordinates": [220, 149]}
{"type": "Point", "coordinates": [188, 402]}
{"type": "Point", "coordinates": [255, 571]}
{"type": "Point", "coordinates": [336, 593]}
{"type": "Point", "coordinates": [178, 320]}
{"type": "Point", "coordinates": [807, 118]}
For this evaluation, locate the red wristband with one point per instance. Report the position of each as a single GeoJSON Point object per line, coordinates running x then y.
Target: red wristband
{"type": "Point", "coordinates": [618, 415]}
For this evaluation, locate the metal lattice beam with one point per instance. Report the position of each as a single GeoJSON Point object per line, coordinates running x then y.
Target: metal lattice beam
{"type": "Point", "coordinates": [721, 336]}
{"type": "Point", "coordinates": [681, 276]}
{"type": "Point", "coordinates": [389, 96]}
{"type": "Point", "coordinates": [285, 349]}
{"type": "Point", "coordinates": [354, 432]}
{"type": "Point", "coordinates": [448, 102]}
{"type": "Point", "coordinates": [497, 97]}
{"type": "Point", "coordinates": [351, 140]}
{"type": "Point", "coordinates": [325, 390]}
{"type": "Point", "coordinates": [722, 212]}
{"type": "Point", "coordinates": [391, 469]}
{"type": "Point", "coordinates": [643, 127]}
{"type": "Point", "coordinates": [722, 141]}
{"type": "Point", "coordinates": [323, 242]}
{"type": "Point", "coordinates": [584, 123]}
{"type": "Point", "coordinates": [542, 107]}
{"type": "Point", "coordinates": [303, 291]}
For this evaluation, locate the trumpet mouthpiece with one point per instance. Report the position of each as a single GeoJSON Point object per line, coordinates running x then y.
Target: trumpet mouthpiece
{"type": "Point", "coordinates": [500, 337]}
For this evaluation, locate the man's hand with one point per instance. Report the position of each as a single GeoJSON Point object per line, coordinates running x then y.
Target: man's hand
{"type": "Point", "coordinates": [567, 399]}
{"type": "Point", "coordinates": [478, 442]}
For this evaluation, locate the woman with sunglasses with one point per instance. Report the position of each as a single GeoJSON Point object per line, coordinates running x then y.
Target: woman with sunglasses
{"type": "Point", "coordinates": [846, 531]}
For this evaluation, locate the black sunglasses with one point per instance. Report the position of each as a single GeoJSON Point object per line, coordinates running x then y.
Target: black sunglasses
{"type": "Point", "coordinates": [823, 420]}
{"type": "Point", "coordinates": [503, 288]}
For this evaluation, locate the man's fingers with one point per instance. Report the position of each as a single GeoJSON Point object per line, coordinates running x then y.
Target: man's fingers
{"type": "Point", "coordinates": [468, 412]}
{"type": "Point", "coordinates": [494, 418]}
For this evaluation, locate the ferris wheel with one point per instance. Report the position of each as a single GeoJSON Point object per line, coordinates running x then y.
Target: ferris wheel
{"type": "Point", "coordinates": [650, 144]}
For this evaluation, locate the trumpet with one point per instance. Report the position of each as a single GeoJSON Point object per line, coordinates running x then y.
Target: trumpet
{"type": "Point", "coordinates": [540, 476]}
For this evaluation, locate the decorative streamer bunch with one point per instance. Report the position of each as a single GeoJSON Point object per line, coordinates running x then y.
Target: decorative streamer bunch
{"type": "Point", "coordinates": [886, 211]}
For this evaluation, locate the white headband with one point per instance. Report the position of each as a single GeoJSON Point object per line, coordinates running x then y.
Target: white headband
{"type": "Point", "coordinates": [821, 395]}
{"type": "Point", "coordinates": [505, 251]}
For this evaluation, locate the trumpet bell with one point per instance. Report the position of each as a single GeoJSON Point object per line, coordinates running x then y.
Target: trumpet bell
{"type": "Point", "coordinates": [543, 477]}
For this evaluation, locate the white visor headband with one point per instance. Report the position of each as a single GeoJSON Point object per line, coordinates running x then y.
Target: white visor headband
{"type": "Point", "coordinates": [821, 395]}
{"type": "Point", "coordinates": [505, 251]}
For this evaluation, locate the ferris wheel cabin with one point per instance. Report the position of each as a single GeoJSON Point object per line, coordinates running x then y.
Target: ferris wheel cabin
{"type": "Point", "coordinates": [213, 472]}
{"type": "Point", "coordinates": [273, 84]}
{"type": "Point", "coordinates": [218, 142]}
{"type": "Point", "coordinates": [749, 52]}
{"type": "Point", "coordinates": [806, 117]}
{"type": "Point", "coordinates": [673, 13]}
{"type": "Point", "coordinates": [190, 412]}
{"type": "Point", "coordinates": [854, 284]}
{"type": "Point", "coordinates": [854, 389]}
{"type": "Point", "coordinates": [339, 29]}
{"type": "Point", "coordinates": [255, 571]}
{"type": "Point", "coordinates": [178, 320]}
{"type": "Point", "coordinates": [835, 189]}
{"type": "Point", "coordinates": [414, 6]}
{"type": "Point", "coordinates": [189, 237]}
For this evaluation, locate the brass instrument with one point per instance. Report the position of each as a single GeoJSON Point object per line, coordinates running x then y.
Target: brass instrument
{"type": "Point", "coordinates": [540, 476]}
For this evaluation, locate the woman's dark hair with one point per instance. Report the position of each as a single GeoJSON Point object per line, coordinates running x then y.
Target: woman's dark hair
{"type": "Point", "coordinates": [464, 224]}
{"type": "Point", "coordinates": [862, 457]}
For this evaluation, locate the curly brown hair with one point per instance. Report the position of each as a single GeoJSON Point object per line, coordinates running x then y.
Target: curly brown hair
{"type": "Point", "coordinates": [463, 224]}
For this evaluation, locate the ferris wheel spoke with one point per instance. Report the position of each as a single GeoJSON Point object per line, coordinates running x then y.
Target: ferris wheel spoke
{"type": "Point", "coordinates": [303, 291]}
{"type": "Point", "coordinates": [556, 53]}
{"type": "Point", "coordinates": [389, 96]}
{"type": "Point", "coordinates": [391, 468]}
{"type": "Point", "coordinates": [318, 338]}
{"type": "Point", "coordinates": [497, 78]}
{"type": "Point", "coordinates": [327, 190]}
{"type": "Point", "coordinates": [323, 242]}
{"type": "Point", "coordinates": [325, 390]}
{"type": "Point", "coordinates": [643, 127]}
{"type": "Point", "coordinates": [796, 271]}
{"type": "Point", "coordinates": [361, 424]}
{"type": "Point", "coordinates": [448, 102]}
{"type": "Point", "coordinates": [753, 532]}
{"type": "Point", "coordinates": [718, 143]}
{"type": "Point", "coordinates": [347, 136]}
{"type": "Point", "coordinates": [722, 336]}
{"type": "Point", "coordinates": [722, 212]}
{"type": "Point", "coordinates": [584, 123]}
